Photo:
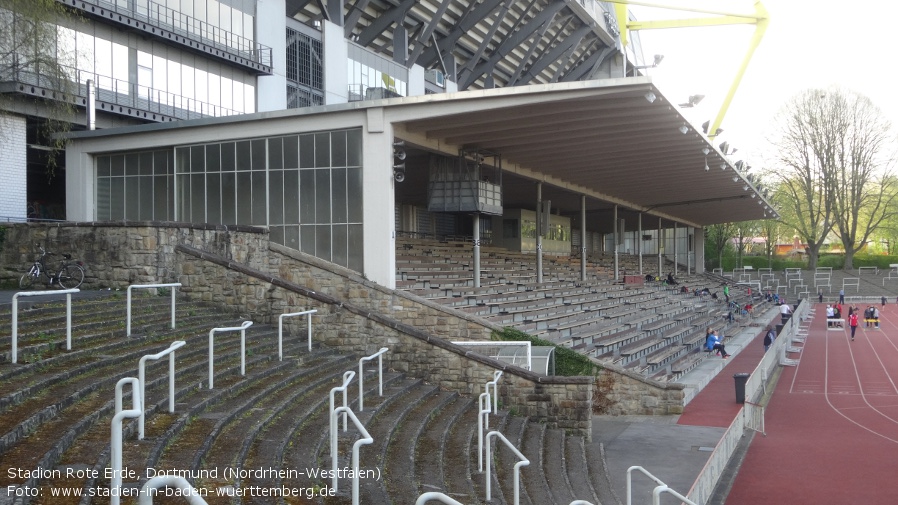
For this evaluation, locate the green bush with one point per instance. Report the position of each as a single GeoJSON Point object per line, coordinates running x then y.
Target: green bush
{"type": "Point", "coordinates": [835, 261]}
{"type": "Point", "coordinates": [568, 363]}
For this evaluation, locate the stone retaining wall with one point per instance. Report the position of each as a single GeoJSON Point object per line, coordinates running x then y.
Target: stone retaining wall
{"type": "Point", "coordinates": [245, 273]}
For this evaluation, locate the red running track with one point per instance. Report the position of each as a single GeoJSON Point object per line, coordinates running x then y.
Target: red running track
{"type": "Point", "coordinates": [832, 423]}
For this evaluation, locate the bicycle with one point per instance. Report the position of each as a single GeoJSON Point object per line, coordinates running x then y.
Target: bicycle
{"type": "Point", "coordinates": [70, 274]}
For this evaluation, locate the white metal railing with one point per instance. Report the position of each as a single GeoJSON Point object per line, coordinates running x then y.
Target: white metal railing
{"type": "Point", "coordinates": [347, 378]}
{"type": "Point", "coordinates": [491, 343]}
{"type": "Point", "coordinates": [185, 490]}
{"type": "Point", "coordinates": [242, 329]}
{"type": "Point", "coordinates": [15, 317]}
{"type": "Point", "coordinates": [115, 440]}
{"type": "Point", "coordinates": [580, 502]}
{"type": "Point", "coordinates": [517, 467]}
{"type": "Point", "coordinates": [141, 377]}
{"type": "Point", "coordinates": [495, 383]}
{"type": "Point", "coordinates": [707, 479]}
{"type": "Point", "coordinates": [150, 286]}
{"type": "Point", "coordinates": [308, 314]}
{"type": "Point", "coordinates": [875, 270]}
{"type": "Point", "coordinates": [484, 407]}
{"type": "Point", "coordinates": [852, 281]}
{"type": "Point", "coordinates": [656, 493]}
{"type": "Point", "coordinates": [380, 375]}
{"type": "Point", "coordinates": [365, 440]}
{"type": "Point", "coordinates": [433, 495]}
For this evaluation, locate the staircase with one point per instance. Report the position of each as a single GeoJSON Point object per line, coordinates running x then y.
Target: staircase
{"type": "Point", "coordinates": [57, 405]}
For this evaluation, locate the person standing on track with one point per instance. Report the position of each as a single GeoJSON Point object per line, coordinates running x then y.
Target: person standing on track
{"type": "Point", "coordinates": [769, 337]}
{"type": "Point", "coordinates": [852, 321]}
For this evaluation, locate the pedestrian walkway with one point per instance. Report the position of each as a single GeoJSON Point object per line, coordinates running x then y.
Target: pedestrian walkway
{"type": "Point", "coordinates": [676, 448]}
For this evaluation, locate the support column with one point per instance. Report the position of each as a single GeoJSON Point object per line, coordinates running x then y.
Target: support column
{"type": "Point", "coordinates": [476, 250]}
{"type": "Point", "coordinates": [676, 256]}
{"type": "Point", "coordinates": [539, 232]}
{"type": "Point", "coordinates": [660, 244]}
{"type": "Point", "coordinates": [583, 237]}
{"type": "Point", "coordinates": [639, 243]}
{"type": "Point", "coordinates": [689, 248]}
{"type": "Point", "coordinates": [699, 248]}
{"type": "Point", "coordinates": [616, 245]}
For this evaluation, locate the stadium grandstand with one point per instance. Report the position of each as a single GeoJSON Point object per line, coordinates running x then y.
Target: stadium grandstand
{"type": "Point", "coordinates": [325, 187]}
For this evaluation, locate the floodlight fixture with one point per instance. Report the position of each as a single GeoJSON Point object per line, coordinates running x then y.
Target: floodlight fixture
{"type": "Point", "coordinates": [692, 101]}
{"type": "Point", "coordinates": [684, 129]}
{"type": "Point", "coordinates": [650, 97]}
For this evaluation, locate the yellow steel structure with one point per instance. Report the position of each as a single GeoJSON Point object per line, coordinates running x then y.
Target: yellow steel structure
{"type": "Point", "coordinates": [759, 18]}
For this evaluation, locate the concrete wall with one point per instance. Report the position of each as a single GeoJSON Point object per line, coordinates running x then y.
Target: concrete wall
{"type": "Point", "coordinates": [13, 181]}
{"type": "Point", "coordinates": [238, 269]}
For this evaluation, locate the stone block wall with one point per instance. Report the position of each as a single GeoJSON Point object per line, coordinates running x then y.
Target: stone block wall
{"type": "Point", "coordinates": [243, 272]}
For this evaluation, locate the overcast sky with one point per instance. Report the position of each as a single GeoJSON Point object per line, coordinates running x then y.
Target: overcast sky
{"type": "Point", "coordinates": [808, 44]}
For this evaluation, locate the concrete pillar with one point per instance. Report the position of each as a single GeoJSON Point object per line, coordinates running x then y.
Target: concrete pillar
{"type": "Point", "coordinates": [639, 242]}
{"type": "Point", "coordinates": [676, 257]}
{"type": "Point", "coordinates": [539, 232]}
{"type": "Point", "coordinates": [660, 243]}
{"type": "Point", "coordinates": [476, 250]}
{"type": "Point", "coordinates": [582, 237]}
{"type": "Point", "coordinates": [616, 246]}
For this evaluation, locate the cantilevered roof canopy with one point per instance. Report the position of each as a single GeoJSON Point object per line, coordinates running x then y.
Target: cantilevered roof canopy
{"type": "Point", "coordinates": [618, 141]}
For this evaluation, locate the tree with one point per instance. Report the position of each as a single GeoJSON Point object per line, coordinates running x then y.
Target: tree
{"type": "Point", "coordinates": [30, 52]}
{"type": "Point", "coordinates": [805, 164]}
{"type": "Point", "coordinates": [770, 230]}
{"type": "Point", "coordinates": [866, 188]}
{"type": "Point", "coordinates": [744, 232]}
{"type": "Point", "coordinates": [717, 236]}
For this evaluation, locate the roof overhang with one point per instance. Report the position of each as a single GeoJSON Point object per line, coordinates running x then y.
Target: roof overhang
{"type": "Point", "coordinates": [603, 139]}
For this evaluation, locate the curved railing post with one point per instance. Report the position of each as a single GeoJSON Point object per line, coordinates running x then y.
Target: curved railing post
{"type": "Point", "coordinates": [495, 383]}
{"type": "Point", "coordinates": [517, 467]}
{"type": "Point", "coordinates": [483, 412]}
{"type": "Point", "coordinates": [15, 317]}
{"type": "Point", "coordinates": [141, 377]}
{"type": "Point", "coordinates": [148, 286]}
{"type": "Point", "coordinates": [380, 373]}
{"type": "Point", "coordinates": [185, 490]}
{"type": "Point", "coordinates": [347, 378]}
{"type": "Point", "coordinates": [308, 314]}
{"type": "Point", "coordinates": [365, 440]}
{"type": "Point", "coordinates": [115, 442]}
{"type": "Point", "coordinates": [242, 329]}
{"type": "Point", "coordinates": [433, 495]}
{"type": "Point", "coordinates": [656, 493]}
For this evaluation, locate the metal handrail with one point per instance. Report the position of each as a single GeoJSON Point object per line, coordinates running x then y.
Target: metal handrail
{"type": "Point", "coordinates": [149, 286]}
{"type": "Point", "coordinates": [185, 490]}
{"type": "Point", "coordinates": [15, 317]}
{"type": "Point", "coordinates": [434, 495]}
{"type": "Point", "coordinates": [517, 467]}
{"type": "Point", "coordinates": [115, 441]}
{"type": "Point", "coordinates": [141, 377]}
{"type": "Point", "coordinates": [483, 412]}
{"type": "Point", "coordinates": [347, 378]}
{"type": "Point", "coordinates": [308, 314]}
{"type": "Point", "coordinates": [365, 440]}
{"type": "Point", "coordinates": [380, 374]}
{"type": "Point", "coordinates": [656, 493]}
{"type": "Point", "coordinates": [580, 502]}
{"type": "Point", "coordinates": [242, 329]}
{"type": "Point", "coordinates": [495, 382]}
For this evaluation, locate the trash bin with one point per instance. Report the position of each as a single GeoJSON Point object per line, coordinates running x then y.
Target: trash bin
{"type": "Point", "coordinates": [741, 379]}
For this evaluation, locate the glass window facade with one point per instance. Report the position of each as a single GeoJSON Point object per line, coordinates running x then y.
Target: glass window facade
{"type": "Point", "coordinates": [305, 72]}
{"type": "Point", "coordinates": [306, 188]}
{"type": "Point", "coordinates": [372, 77]}
{"type": "Point", "coordinates": [136, 186]}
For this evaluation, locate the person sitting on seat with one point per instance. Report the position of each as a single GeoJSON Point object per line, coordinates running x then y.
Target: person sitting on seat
{"type": "Point", "coordinates": [712, 343]}
{"type": "Point", "coordinates": [649, 278]}
{"type": "Point", "coordinates": [670, 279]}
